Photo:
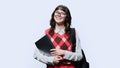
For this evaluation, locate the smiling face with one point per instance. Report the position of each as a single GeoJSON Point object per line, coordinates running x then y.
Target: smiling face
{"type": "Point", "coordinates": [59, 17]}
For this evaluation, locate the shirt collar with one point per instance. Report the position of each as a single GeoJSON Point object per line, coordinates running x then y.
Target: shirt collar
{"type": "Point", "coordinates": [60, 31]}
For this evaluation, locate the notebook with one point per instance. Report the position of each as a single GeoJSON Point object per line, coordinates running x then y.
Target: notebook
{"type": "Point", "coordinates": [45, 44]}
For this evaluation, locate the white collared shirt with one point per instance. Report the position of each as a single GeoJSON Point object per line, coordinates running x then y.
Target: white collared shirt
{"type": "Point", "coordinates": [60, 31]}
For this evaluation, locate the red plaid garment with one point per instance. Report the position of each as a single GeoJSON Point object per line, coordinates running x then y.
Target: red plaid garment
{"type": "Point", "coordinates": [60, 41]}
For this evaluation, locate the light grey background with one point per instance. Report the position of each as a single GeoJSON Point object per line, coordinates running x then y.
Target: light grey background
{"type": "Point", "coordinates": [23, 21]}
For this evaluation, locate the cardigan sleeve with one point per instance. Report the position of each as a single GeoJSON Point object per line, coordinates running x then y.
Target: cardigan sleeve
{"type": "Point", "coordinates": [40, 56]}
{"type": "Point", "coordinates": [77, 55]}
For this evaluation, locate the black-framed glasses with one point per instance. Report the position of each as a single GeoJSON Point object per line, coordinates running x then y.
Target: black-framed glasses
{"type": "Point", "coordinates": [60, 13]}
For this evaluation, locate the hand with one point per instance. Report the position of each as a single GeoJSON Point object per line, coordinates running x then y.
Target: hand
{"type": "Point", "coordinates": [57, 59]}
{"type": "Point", "coordinates": [58, 52]}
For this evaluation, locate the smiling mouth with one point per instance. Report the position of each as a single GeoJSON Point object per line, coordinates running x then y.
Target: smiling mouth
{"type": "Point", "coordinates": [58, 17]}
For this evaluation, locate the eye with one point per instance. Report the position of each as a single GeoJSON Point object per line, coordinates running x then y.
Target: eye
{"type": "Point", "coordinates": [57, 12]}
{"type": "Point", "coordinates": [60, 13]}
{"type": "Point", "coordinates": [63, 13]}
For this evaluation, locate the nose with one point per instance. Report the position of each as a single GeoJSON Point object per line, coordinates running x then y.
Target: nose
{"type": "Point", "coordinates": [59, 15]}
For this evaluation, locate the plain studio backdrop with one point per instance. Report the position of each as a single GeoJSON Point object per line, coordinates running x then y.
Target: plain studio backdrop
{"type": "Point", "coordinates": [23, 21]}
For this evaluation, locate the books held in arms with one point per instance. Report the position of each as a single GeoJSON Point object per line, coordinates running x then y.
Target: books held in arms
{"type": "Point", "coordinates": [44, 44]}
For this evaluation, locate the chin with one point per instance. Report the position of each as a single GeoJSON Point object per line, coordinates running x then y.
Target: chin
{"type": "Point", "coordinates": [59, 23]}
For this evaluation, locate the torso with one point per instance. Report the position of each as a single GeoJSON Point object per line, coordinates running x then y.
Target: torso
{"type": "Point", "coordinates": [61, 41]}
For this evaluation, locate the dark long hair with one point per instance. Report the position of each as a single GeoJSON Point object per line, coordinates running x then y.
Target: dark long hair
{"type": "Point", "coordinates": [67, 22]}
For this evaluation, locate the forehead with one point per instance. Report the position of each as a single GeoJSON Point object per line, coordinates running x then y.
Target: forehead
{"type": "Point", "coordinates": [60, 10]}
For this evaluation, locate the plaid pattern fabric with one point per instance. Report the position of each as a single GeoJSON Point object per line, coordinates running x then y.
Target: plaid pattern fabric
{"type": "Point", "coordinates": [61, 41]}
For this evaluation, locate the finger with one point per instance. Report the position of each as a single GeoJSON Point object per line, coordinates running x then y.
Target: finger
{"type": "Point", "coordinates": [53, 53]}
{"type": "Point", "coordinates": [56, 62]}
{"type": "Point", "coordinates": [52, 50]}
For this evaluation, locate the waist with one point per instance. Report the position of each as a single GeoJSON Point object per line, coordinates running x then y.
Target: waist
{"type": "Point", "coordinates": [66, 63]}
{"type": "Point", "coordinates": [63, 65]}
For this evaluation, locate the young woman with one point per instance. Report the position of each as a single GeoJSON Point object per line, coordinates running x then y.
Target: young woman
{"type": "Point", "coordinates": [60, 35]}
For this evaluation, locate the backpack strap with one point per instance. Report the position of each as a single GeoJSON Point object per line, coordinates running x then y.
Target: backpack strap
{"type": "Point", "coordinates": [73, 38]}
{"type": "Point", "coordinates": [83, 63]}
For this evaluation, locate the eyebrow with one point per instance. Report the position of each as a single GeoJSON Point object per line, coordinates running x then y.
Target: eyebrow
{"type": "Point", "coordinates": [59, 11]}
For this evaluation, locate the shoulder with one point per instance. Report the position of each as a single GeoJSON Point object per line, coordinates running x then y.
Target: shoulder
{"type": "Point", "coordinates": [47, 30]}
{"type": "Point", "coordinates": [73, 30]}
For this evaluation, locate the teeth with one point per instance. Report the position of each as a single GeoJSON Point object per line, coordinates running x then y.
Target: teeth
{"type": "Point", "coordinates": [57, 18]}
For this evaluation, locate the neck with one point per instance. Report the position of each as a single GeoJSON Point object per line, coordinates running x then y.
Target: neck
{"type": "Point", "coordinates": [60, 26]}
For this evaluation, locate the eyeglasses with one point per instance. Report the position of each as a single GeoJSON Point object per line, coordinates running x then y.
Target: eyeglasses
{"type": "Point", "coordinates": [60, 13]}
